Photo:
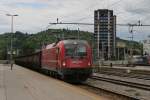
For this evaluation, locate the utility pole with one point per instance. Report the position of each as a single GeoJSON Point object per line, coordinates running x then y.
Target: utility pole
{"type": "Point", "coordinates": [78, 33]}
{"type": "Point", "coordinates": [118, 53]}
{"type": "Point", "coordinates": [109, 56]}
{"type": "Point", "coordinates": [11, 40]}
{"type": "Point", "coordinates": [103, 50]}
{"type": "Point", "coordinates": [124, 53]}
{"type": "Point", "coordinates": [131, 26]}
{"type": "Point", "coordinates": [131, 32]}
{"type": "Point", "coordinates": [98, 39]}
{"type": "Point", "coordinates": [98, 47]}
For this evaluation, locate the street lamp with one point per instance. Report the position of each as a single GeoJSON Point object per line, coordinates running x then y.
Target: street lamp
{"type": "Point", "coordinates": [11, 43]}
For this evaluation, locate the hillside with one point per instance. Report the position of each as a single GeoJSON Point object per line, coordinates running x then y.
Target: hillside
{"type": "Point", "coordinates": [24, 43]}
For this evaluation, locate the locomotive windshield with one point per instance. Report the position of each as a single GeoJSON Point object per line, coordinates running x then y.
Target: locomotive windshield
{"type": "Point", "coordinates": [75, 50]}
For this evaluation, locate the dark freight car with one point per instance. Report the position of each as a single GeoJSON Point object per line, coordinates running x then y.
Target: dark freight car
{"type": "Point", "coordinates": [32, 61]}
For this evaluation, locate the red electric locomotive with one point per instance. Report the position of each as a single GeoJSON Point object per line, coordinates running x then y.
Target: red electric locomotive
{"type": "Point", "coordinates": [69, 59]}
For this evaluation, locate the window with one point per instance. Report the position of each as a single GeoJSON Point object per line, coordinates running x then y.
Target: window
{"type": "Point", "coordinates": [75, 50]}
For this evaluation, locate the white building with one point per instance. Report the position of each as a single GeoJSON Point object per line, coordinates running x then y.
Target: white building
{"type": "Point", "coordinates": [146, 46]}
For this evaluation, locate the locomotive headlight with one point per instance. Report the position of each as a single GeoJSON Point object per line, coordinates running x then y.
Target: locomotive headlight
{"type": "Point", "coordinates": [89, 64]}
{"type": "Point", "coordinates": [64, 63]}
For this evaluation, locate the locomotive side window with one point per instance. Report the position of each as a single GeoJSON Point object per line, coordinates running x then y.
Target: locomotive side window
{"type": "Point", "coordinates": [57, 50]}
{"type": "Point", "coordinates": [57, 53]}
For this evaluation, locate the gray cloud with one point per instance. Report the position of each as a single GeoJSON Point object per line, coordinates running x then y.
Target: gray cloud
{"type": "Point", "coordinates": [33, 18]}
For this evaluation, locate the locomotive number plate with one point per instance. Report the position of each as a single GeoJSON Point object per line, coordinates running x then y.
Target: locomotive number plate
{"type": "Point", "coordinates": [76, 61]}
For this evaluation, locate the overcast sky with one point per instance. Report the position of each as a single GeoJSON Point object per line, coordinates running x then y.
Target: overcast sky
{"type": "Point", "coordinates": [35, 15]}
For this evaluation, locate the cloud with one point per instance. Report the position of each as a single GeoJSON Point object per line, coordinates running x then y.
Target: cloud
{"type": "Point", "coordinates": [35, 15]}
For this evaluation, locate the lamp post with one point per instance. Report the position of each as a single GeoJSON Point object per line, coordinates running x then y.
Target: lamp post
{"type": "Point", "coordinates": [11, 41]}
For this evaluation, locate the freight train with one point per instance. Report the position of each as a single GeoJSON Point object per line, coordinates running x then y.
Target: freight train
{"type": "Point", "coordinates": [70, 59]}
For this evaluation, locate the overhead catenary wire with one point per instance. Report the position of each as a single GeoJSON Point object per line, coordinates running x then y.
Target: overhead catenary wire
{"type": "Point", "coordinates": [77, 23]}
{"type": "Point", "coordinates": [115, 3]}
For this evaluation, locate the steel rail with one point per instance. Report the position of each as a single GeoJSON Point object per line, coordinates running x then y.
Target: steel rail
{"type": "Point", "coordinates": [120, 82]}
{"type": "Point", "coordinates": [130, 75]}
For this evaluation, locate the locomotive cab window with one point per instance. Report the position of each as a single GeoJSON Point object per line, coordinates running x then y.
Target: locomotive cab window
{"type": "Point", "coordinates": [75, 50]}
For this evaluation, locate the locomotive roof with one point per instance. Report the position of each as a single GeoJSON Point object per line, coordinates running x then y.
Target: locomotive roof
{"type": "Point", "coordinates": [75, 41]}
{"type": "Point", "coordinates": [67, 42]}
{"type": "Point", "coordinates": [50, 45]}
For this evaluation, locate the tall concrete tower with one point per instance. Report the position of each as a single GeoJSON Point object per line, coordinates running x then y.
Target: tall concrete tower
{"type": "Point", "coordinates": [105, 33]}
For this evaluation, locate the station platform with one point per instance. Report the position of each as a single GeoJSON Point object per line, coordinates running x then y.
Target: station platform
{"type": "Point", "coordinates": [24, 84]}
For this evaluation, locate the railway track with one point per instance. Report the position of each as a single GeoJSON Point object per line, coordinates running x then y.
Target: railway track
{"type": "Point", "coordinates": [102, 92]}
{"type": "Point", "coordinates": [128, 88]}
{"type": "Point", "coordinates": [125, 73]}
{"type": "Point", "coordinates": [121, 82]}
